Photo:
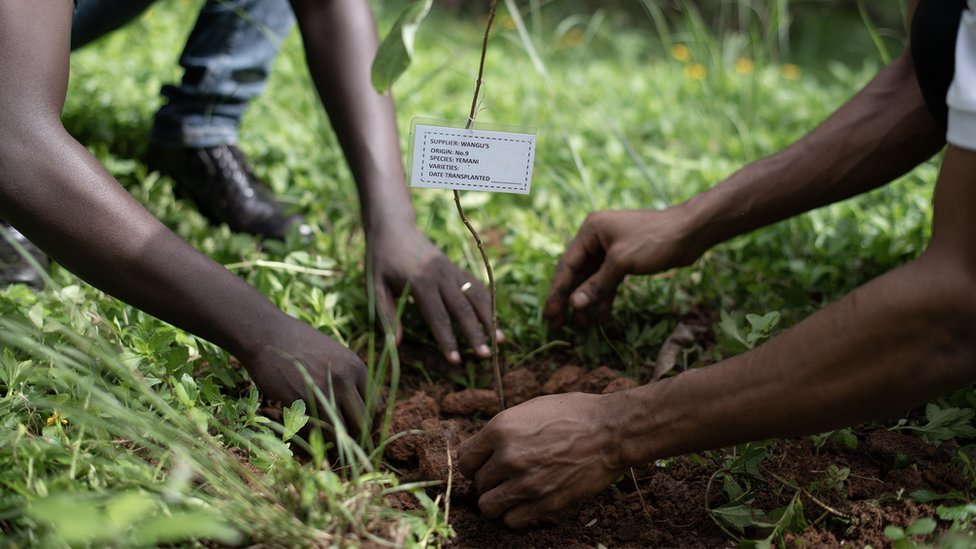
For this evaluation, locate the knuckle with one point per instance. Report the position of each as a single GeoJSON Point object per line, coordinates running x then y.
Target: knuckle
{"type": "Point", "coordinates": [440, 318]}
{"type": "Point", "coordinates": [464, 308]}
{"type": "Point", "coordinates": [488, 508]}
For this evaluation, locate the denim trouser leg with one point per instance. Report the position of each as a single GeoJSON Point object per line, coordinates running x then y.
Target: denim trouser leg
{"type": "Point", "coordinates": [227, 60]}
{"type": "Point", "coordinates": [93, 18]}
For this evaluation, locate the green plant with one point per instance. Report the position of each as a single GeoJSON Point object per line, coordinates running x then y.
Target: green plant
{"type": "Point", "coordinates": [472, 380]}
{"type": "Point", "coordinates": [621, 126]}
{"type": "Point", "coordinates": [943, 423]}
{"type": "Point", "coordinates": [736, 340]}
{"type": "Point", "coordinates": [900, 537]}
{"type": "Point", "coordinates": [833, 481]}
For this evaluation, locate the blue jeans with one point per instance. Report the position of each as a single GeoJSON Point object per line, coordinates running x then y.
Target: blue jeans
{"type": "Point", "coordinates": [227, 60]}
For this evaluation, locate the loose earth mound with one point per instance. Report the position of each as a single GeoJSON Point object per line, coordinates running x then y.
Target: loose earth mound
{"type": "Point", "coordinates": [846, 496]}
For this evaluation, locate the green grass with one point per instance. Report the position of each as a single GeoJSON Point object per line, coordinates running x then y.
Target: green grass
{"type": "Point", "coordinates": [155, 418]}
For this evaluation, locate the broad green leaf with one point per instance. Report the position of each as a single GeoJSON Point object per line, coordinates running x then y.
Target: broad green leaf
{"type": "Point", "coordinates": [751, 455]}
{"type": "Point", "coordinates": [181, 394]}
{"type": "Point", "coordinates": [923, 525]}
{"type": "Point", "coordinates": [396, 51]}
{"type": "Point", "coordinates": [37, 314]}
{"type": "Point", "coordinates": [894, 533]}
{"type": "Point", "coordinates": [184, 527]}
{"type": "Point", "coordinates": [74, 522]}
{"type": "Point", "coordinates": [846, 437]}
{"type": "Point", "coordinates": [732, 488]}
{"type": "Point", "coordinates": [926, 496]}
{"type": "Point", "coordinates": [738, 516]}
{"type": "Point", "coordinates": [763, 323]}
{"type": "Point", "coordinates": [128, 508]}
{"type": "Point", "coordinates": [294, 419]}
{"type": "Point", "coordinates": [959, 512]}
{"type": "Point", "coordinates": [757, 544]}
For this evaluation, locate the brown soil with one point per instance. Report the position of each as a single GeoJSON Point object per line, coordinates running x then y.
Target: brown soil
{"type": "Point", "coordinates": [658, 506]}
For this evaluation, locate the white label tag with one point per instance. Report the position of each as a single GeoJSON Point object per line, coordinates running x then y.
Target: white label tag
{"type": "Point", "coordinates": [477, 160]}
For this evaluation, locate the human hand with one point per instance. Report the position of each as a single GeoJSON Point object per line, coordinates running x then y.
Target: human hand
{"type": "Point", "coordinates": [609, 246]}
{"type": "Point", "coordinates": [403, 254]}
{"type": "Point", "coordinates": [543, 455]}
{"type": "Point", "coordinates": [337, 371]}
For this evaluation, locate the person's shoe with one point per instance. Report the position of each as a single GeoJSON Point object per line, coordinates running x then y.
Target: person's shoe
{"type": "Point", "coordinates": [225, 190]}
{"type": "Point", "coordinates": [14, 269]}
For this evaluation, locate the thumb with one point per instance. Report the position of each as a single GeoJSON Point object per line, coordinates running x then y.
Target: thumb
{"type": "Point", "coordinates": [599, 289]}
{"type": "Point", "coordinates": [473, 453]}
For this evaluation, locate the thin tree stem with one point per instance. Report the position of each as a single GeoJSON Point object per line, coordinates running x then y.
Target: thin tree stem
{"type": "Point", "coordinates": [481, 245]}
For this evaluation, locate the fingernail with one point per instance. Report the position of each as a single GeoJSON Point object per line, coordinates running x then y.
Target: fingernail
{"type": "Point", "coordinates": [579, 300]}
{"type": "Point", "coordinates": [454, 357]}
{"type": "Point", "coordinates": [499, 336]}
{"type": "Point", "coordinates": [484, 350]}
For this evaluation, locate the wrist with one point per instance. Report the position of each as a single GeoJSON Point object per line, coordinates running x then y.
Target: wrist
{"type": "Point", "coordinates": [262, 327]}
{"type": "Point", "coordinates": [389, 217]}
{"type": "Point", "coordinates": [695, 223]}
{"type": "Point", "coordinates": [640, 430]}
{"type": "Point", "coordinates": [615, 419]}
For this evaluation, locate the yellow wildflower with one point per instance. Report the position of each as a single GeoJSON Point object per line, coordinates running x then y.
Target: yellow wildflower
{"type": "Point", "coordinates": [681, 52]}
{"type": "Point", "coordinates": [696, 72]}
{"type": "Point", "coordinates": [56, 417]}
{"type": "Point", "coordinates": [744, 66]}
{"type": "Point", "coordinates": [790, 71]}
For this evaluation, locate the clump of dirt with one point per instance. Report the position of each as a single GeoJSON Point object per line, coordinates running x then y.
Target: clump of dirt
{"type": "Point", "coordinates": [664, 506]}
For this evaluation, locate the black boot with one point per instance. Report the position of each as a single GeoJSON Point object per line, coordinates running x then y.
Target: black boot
{"type": "Point", "coordinates": [225, 190]}
{"type": "Point", "coordinates": [14, 268]}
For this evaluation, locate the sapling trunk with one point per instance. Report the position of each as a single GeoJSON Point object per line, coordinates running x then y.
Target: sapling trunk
{"type": "Point", "coordinates": [481, 245]}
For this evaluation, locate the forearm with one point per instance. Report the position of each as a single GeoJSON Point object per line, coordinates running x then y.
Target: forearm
{"type": "Point", "coordinates": [881, 133]}
{"type": "Point", "coordinates": [71, 207]}
{"type": "Point", "coordinates": [340, 43]}
{"type": "Point", "coordinates": [895, 342]}
{"type": "Point", "coordinates": [60, 197]}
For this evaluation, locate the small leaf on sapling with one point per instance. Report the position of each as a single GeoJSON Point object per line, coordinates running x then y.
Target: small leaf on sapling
{"type": "Point", "coordinates": [396, 51]}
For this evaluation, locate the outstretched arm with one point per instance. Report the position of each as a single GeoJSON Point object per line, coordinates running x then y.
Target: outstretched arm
{"type": "Point", "coordinates": [895, 342]}
{"type": "Point", "coordinates": [60, 197]}
{"type": "Point", "coordinates": [881, 133]}
{"type": "Point", "coordinates": [340, 43]}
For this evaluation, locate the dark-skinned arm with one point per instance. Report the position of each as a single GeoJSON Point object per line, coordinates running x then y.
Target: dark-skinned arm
{"type": "Point", "coordinates": [55, 192]}
{"type": "Point", "coordinates": [895, 342]}
{"type": "Point", "coordinates": [340, 43]}
{"type": "Point", "coordinates": [881, 133]}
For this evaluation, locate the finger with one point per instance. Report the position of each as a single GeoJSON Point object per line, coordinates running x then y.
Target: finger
{"type": "Point", "coordinates": [598, 290]}
{"type": "Point", "coordinates": [473, 453]}
{"type": "Point", "coordinates": [349, 406]}
{"type": "Point", "coordinates": [494, 503]}
{"type": "Point", "coordinates": [604, 310]}
{"type": "Point", "coordinates": [480, 299]}
{"type": "Point", "coordinates": [467, 318]}
{"type": "Point", "coordinates": [353, 414]}
{"type": "Point", "coordinates": [525, 511]}
{"type": "Point", "coordinates": [386, 304]}
{"type": "Point", "coordinates": [432, 309]}
{"type": "Point", "coordinates": [577, 263]}
{"type": "Point", "coordinates": [581, 317]}
{"type": "Point", "coordinates": [365, 386]}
